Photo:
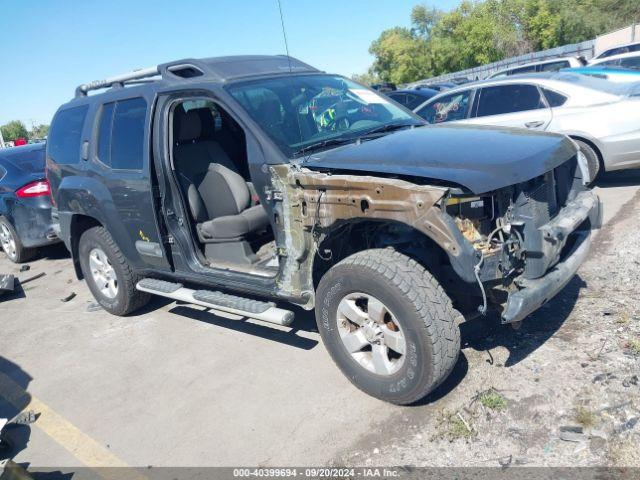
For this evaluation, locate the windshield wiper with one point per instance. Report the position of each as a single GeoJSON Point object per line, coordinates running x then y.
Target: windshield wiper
{"type": "Point", "coordinates": [324, 143]}
{"type": "Point", "coordinates": [389, 127]}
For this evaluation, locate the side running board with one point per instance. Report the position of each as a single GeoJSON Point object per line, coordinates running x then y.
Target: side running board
{"type": "Point", "coordinates": [264, 311]}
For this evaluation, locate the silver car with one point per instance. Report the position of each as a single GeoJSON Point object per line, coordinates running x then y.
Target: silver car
{"type": "Point", "coordinates": [602, 117]}
{"type": "Point", "coordinates": [550, 65]}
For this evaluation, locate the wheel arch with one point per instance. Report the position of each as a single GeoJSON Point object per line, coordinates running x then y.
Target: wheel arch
{"type": "Point", "coordinates": [356, 235]}
{"type": "Point", "coordinates": [592, 143]}
{"type": "Point", "coordinates": [79, 224]}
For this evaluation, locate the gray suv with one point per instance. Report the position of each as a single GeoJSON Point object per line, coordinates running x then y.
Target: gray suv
{"type": "Point", "coordinates": [251, 184]}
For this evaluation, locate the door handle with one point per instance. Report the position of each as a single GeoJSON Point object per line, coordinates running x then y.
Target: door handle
{"type": "Point", "coordinates": [535, 124]}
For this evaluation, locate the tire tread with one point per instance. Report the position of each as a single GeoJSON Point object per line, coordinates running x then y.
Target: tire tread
{"type": "Point", "coordinates": [439, 319]}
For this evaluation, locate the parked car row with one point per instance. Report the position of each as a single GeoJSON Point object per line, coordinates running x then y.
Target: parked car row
{"type": "Point", "coordinates": [601, 116]}
{"type": "Point", "coordinates": [246, 184]}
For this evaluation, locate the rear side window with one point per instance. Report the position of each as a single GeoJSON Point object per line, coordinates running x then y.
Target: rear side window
{"type": "Point", "coordinates": [121, 134]}
{"type": "Point", "coordinates": [63, 143]}
{"type": "Point", "coordinates": [554, 99]}
{"type": "Point", "coordinates": [104, 133]}
{"type": "Point", "coordinates": [508, 99]}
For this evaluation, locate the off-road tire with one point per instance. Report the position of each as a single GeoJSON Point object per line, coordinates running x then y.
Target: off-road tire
{"type": "Point", "coordinates": [593, 160]}
{"type": "Point", "coordinates": [421, 307]}
{"type": "Point", "coordinates": [22, 254]}
{"type": "Point", "coordinates": [128, 299]}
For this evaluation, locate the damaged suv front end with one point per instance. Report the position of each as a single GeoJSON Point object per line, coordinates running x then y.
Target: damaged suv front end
{"type": "Point", "coordinates": [514, 217]}
{"type": "Point", "coordinates": [525, 241]}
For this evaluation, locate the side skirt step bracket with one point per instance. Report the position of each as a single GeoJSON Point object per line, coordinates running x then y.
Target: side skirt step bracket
{"type": "Point", "coordinates": [247, 307]}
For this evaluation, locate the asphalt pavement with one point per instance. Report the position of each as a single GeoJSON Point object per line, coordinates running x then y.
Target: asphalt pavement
{"type": "Point", "coordinates": [176, 385]}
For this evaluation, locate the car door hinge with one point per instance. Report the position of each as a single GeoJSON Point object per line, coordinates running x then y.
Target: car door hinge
{"type": "Point", "coordinates": [168, 239]}
{"type": "Point", "coordinates": [155, 191]}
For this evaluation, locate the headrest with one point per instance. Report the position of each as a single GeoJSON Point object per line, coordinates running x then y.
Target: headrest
{"type": "Point", "coordinates": [207, 123]}
{"type": "Point", "coordinates": [190, 127]}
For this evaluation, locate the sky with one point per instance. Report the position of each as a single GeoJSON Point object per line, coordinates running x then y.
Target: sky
{"type": "Point", "coordinates": [51, 46]}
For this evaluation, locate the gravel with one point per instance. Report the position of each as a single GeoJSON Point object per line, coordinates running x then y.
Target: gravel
{"type": "Point", "coordinates": [569, 378]}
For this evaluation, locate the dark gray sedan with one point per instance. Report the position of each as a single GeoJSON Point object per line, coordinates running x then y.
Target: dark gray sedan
{"type": "Point", "coordinates": [25, 202]}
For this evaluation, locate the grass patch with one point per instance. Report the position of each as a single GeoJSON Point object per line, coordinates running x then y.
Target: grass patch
{"type": "Point", "coordinates": [492, 400]}
{"type": "Point", "coordinates": [585, 417]}
{"type": "Point", "coordinates": [634, 346]}
{"type": "Point", "coordinates": [623, 319]}
{"type": "Point", "coordinates": [452, 426]}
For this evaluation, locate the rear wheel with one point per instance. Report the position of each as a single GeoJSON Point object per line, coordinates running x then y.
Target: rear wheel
{"type": "Point", "coordinates": [388, 325]}
{"type": "Point", "coordinates": [11, 244]}
{"type": "Point", "coordinates": [107, 273]}
{"type": "Point", "coordinates": [593, 160]}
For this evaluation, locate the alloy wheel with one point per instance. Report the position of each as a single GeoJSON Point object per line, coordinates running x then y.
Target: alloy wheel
{"type": "Point", "coordinates": [104, 276]}
{"type": "Point", "coordinates": [7, 241]}
{"type": "Point", "coordinates": [371, 334]}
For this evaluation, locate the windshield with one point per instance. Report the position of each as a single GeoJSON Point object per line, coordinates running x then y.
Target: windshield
{"type": "Point", "coordinates": [302, 113]}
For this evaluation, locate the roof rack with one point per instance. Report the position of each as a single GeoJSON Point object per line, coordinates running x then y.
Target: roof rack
{"type": "Point", "coordinates": [130, 77]}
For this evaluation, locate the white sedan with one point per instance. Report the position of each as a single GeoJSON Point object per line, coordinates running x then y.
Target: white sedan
{"type": "Point", "coordinates": [602, 117]}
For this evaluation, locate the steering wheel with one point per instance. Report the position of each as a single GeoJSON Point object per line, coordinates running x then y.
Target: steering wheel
{"type": "Point", "coordinates": [338, 122]}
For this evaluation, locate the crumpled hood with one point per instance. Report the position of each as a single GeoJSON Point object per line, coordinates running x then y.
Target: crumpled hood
{"type": "Point", "coordinates": [480, 158]}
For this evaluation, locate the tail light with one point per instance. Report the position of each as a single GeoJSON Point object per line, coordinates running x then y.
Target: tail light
{"type": "Point", "coordinates": [34, 189]}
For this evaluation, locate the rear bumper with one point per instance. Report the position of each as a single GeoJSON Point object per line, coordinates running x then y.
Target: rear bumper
{"type": "Point", "coordinates": [32, 221]}
{"type": "Point", "coordinates": [533, 293]}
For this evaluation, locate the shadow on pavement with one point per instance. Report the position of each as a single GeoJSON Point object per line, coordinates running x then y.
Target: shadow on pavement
{"type": "Point", "coordinates": [485, 334]}
{"type": "Point", "coordinates": [619, 178]}
{"type": "Point", "coordinates": [14, 398]}
{"type": "Point", "coordinates": [257, 330]}
{"type": "Point", "coordinates": [56, 251]}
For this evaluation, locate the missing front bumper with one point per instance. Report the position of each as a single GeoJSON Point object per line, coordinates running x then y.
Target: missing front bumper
{"type": "Point", "coordinates": [535, 293]}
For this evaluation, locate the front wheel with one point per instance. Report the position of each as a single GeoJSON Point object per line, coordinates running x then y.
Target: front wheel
{"type": "Point", "coordinates": [388, 325]}
{"type": "Point", "coordinates": [107, 273]}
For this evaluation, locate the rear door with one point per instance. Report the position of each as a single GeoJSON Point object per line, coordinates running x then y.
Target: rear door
{"type": "Point", "coordinates": [512, 105]}
{"type": "Point", "coordinates": [121, 161]}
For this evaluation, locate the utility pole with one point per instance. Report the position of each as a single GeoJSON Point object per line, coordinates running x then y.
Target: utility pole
{"type": "Point", "coordinates": [1, 139]}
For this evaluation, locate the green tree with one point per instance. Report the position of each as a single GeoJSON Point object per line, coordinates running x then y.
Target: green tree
{"type": "Point", "coordinates": [13, 130]}
{"type": "Point", "coordinates": [368, 78]}
{"type": "Point", "coordinates": [400, 56]}
{"type": "Point", "coordinates": [39, 131]}
{"type": "Point", "coordinates": [423, 19]}
{"type": "Point", "coordinates": [479, 32]}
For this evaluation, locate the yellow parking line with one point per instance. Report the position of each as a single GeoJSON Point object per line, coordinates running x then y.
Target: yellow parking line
{"type": "Point", "coordinates": [88, 451]}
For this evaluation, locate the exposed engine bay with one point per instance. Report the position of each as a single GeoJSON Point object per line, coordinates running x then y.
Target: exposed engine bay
{"type": "Point", "coordinates": [512, 230]}
{"type": "Point", "coordinates": [491, 244]}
